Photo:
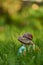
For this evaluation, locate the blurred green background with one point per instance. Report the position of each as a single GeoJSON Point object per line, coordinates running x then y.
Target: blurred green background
{"type": "Point", "coordinates": [16, 18]}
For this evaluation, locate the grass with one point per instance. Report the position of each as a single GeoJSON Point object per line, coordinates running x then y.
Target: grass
{"type": "Point", "coordinates": [9, 43]}
{"type": "Point", "coordinates": [9, 47]}
{"type": "Point", "coordinates": [8, 55]}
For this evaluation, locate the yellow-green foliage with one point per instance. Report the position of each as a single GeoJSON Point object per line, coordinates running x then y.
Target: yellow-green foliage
{"type": "Point", "coordinates": [12, 25]}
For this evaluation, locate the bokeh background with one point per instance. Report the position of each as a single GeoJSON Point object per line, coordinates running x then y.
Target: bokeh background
{"type": "Point", "coordinates": [16, 18]}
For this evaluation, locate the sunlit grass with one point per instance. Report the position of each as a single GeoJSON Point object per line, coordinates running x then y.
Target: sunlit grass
{"type": "Point", "coordinates": [28, 20]}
